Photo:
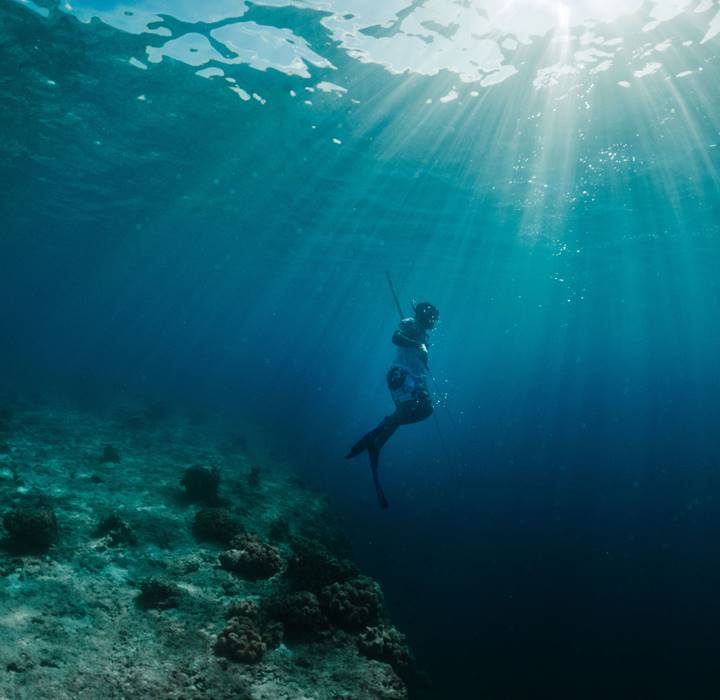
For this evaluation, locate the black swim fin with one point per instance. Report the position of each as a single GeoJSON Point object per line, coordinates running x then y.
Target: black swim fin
{"type": "Point", "coordinates": [374, 453]}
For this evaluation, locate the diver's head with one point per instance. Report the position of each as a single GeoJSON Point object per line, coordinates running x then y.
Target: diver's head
{"type": "Point", "coordinates": [426, 314]}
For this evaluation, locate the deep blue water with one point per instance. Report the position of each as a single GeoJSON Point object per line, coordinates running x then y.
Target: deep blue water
{"type": "Point", "coordinates": [227, 253]}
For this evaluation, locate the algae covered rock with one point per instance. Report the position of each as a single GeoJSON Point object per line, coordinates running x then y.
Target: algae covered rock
{"type": "Point", "coordinates": [249, 633]}
{"type": "Point", "coordinates": [241, 640]}
{"type": "Point", "coordinates": [201, 484]}
{"type": "Point", "coordinates": [382, 683]}
{"type": "Point", "coordinates": [215, 525]}
{"type": "Point", "coordinates": [109, 455]}
{"type": "Point", "coordinates": [31, 528]}
{"type": "Point", "coordinates": [116, 530]}
{"type": "Point", "coordinates": [273, 634]}
{"type": "Point", "coordinates": [300, 614]}
{"type": "Point", "coordinates": [251, 558]}
{"type": "Point", "coordinates": [155, 593]}
{"type": "Point", "coordinates": [353, 604]}
{"type": "Point", "coordinates": [312, 566]}
{"type": "Point", "coordinates": [244, 607]}
{"type": "Point", "coordinates": [385, 643]}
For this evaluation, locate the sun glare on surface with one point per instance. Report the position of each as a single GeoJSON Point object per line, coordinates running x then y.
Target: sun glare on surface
{"type": "Point", "coordinates": [563, 15]}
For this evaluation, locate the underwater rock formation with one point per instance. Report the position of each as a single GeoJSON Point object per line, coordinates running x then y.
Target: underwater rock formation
{"type": "Point", "coordinates": [116, 530]}
{"type": "Point", "coordinates": [385, 643]}
{"type": "Point", "coordinates": [155, 593]}
{"type": "Point", "coordinates": [109, 455]}
{"type": "Point", "coordinates": [244, 607]}
{"type": "Point", "coordinates": [248, 634]}
{"type": "Point", "coordinates": [31, 528]}
{"type": "Point", "coordinates": [241, 640]}
{"type": "Point", "coordinates": [382, 683]}
{"type": "Point", "coordinates": [300, 614]}
{"type": "Point", "coordinates": [133, 584]}
{"type": "Point", "coordinates": [352, 604]}
{"type": "Point", "coordinates": [215, 525]}
{"type": "Point", "coordinates": [251, 558]}
{"type": "Point", "coordinates": [201, 484]}
{"type": "Point", "coordinates": [312, 566]}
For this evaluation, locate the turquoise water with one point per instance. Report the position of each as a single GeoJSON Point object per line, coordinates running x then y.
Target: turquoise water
{"type": "Point", "coordinates": [200, 201]}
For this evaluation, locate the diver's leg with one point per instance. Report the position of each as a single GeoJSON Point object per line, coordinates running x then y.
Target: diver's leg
{"type": "Point", "coordinates": [378, 436]}
{"type": "Point", "coordinates": [360, 446]}
{"type": "Point", "coordinates": [406, 412]}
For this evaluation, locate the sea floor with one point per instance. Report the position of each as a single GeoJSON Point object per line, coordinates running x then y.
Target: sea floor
{"type": "Point", "coordinates": [73, 622]}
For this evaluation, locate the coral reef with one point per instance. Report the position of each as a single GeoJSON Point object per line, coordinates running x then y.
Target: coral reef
{"type": "Point", "coordinates": [382, 683]}
{"type": "Point", "coordinates": [116, 530]}
{"type": "Point", "coordinates": [131, 601]}
{"type": "Point", "coordinates": [273, 634]}
{"type": "Point", "coordinates": [248, 634]}
{"type": "Point", "coordinates": [312, 566]}
{"type": "Point", "coordinates": [251, 558]}
{"type": "Point", "coordinates": [201, 484]}
{"type": "Point", "coordinates": [352, 604]}
{"type": "Point", "coordinates": [300, 614]}
{"type": "Point", "coordinates": [109, 455]}
{"type": "Point", "coordinates": [155, 593]}
{"type": "Point", "coordinates": [244, 607]}
{"type": "Point", "coordinates": [215, 525]}
{"type": "Point", "coordinates": [31, 527]}
{"type": "Point", "coordinates": [385, 643]}
{"type": "Point", "coordinates": [241, 640]}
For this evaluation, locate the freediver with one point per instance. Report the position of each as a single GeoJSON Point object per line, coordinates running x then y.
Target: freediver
{"type": "Point", "coordinates": [407, 381]}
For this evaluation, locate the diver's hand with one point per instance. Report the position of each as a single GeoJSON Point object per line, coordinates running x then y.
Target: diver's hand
{"type": "Point", "coordinates": [423, 352]}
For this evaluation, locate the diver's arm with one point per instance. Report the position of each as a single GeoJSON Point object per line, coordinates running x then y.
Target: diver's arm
{"type": "Point", "coordinates": [405, 341]}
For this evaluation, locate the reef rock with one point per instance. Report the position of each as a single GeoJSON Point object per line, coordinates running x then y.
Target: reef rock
{"type": "Point", "coordinates": [251, 558]}
{"type": "Point", "coordinates": [300, 613]}
{"type": "Point", "coordinates": [158, 594]}
{"type": "Point", "coordinates": [109, 455]}
{"type": "Point", "coordinates": [201, 484]}
{"type": "Point", "coordinates": [353, 604]}
{"type": "Point", "coordinates": [116, 530]}
{"type": "Point", "coordinates": [385, 643]}
{"type": "Point", "coordinates": [31, 528]}
{"type": "Point", "coordinates": [244, 607]}
{"type": "Point", "coordinates": [382, 683]}
{"type": "Point", "coordinates": [215, 525]}
{"type": "Point", "coordinates": [312, 566]}
{"type": "Point", "coordinates": [241, 640]}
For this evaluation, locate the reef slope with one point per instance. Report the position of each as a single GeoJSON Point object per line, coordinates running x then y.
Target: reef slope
{"type": "Point", "coordinates": [120, 577]}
